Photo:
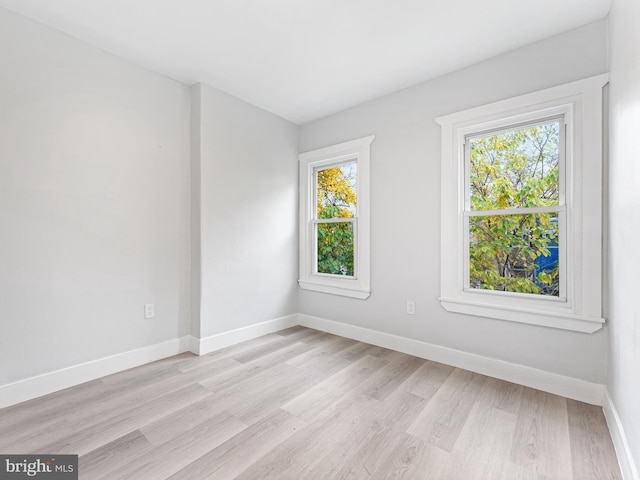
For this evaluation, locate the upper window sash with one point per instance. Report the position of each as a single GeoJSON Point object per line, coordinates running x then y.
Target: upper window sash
{"type": "Point", "coordinates": [562, 132]}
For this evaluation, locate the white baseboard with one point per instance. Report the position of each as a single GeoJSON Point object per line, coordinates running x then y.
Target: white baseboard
{"type": "Point", "coordinates": [226, 339]}
{"type": "Point", "coordinates": [569, 387]}
{"type": "Point", "coordinates": [549, 382]}
{"type": "Point", "coordinates": [623, 450]}
{"type": "Point", "coordinates": [37, 386]}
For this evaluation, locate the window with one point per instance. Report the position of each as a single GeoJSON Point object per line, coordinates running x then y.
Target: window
{"type": "Point", "coordinates": [334, 219]}
{"type": "Point", "coordinates": [515, 209]}
{"type": "Point", "coordinates": [522, 208]}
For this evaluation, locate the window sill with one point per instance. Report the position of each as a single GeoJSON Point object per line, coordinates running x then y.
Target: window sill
{"type": "Point", "coordinates": [335, 290]}
{"type": "Point", "coordinates": [559, 320]}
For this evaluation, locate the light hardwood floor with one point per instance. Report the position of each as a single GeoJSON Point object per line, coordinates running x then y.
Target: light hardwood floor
{"type": "Point", "coordinates": [302, 404]}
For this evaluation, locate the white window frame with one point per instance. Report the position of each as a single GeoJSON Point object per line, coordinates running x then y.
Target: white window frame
{"type": "Point", "coordinates": [579, 307]}
{"type": "Point", "coordinates": [357, 286]}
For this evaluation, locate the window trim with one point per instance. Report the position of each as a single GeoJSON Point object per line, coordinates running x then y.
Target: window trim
{"type": "Point", "coordinates": [358, 285]}
{"type": "Point", "coordinates": [581, 103]}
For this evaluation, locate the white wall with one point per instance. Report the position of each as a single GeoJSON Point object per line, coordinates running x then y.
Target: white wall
{"type": "Point", "coordinates": [248, 213]}
{"type": "Point", "coordinates": [624, 218]}
{"type": "Point", "coordinates": [94, 202]}
{"type": "Point", "coordinates": [405, 205]}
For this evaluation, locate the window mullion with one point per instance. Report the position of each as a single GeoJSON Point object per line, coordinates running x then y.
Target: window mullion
{"type": "Point", "coordinates": [334, 220]}
{"type": "Point", "coordinates": [515, 211]}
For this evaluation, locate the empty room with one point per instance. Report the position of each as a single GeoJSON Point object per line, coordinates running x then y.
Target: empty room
{"type": "Point", "coordinates": [304, 239]}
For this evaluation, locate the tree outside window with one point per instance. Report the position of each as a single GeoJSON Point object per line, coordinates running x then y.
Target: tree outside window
{"type": "Point", "coordinates": [513, 209]}
{"type": "Point", "coordinates": [336, 209]}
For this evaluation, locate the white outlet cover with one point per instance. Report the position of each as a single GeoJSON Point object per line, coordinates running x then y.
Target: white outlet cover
{"type": "Point", "coordinates": [411, 308]}
{"type": "Point", "coordinates": [149, 310]}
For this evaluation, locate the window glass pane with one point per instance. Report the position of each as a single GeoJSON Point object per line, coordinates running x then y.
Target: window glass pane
{"type": "Point", "coordinates": [518, 168]}
{"type": "Point", "coordinates": [336, 190]}
{"type": "Point", "coordinates": [335, 248]}
{"type": "Point", "coordinates": [515, 253]}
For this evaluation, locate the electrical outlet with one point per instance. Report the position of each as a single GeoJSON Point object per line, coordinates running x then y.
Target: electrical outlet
{"type": "Point", "coordinates": [411, 307]}
{"type": "Point", "coordinates": [149, 310]}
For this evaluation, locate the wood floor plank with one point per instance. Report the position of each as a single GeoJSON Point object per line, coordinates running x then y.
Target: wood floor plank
{"type": "Point", "coordinates": [389, 377]}
{"type": "Point", "coordinates": [271, 396]}
{"type": "Point", "coordinates": [401, 410]}
{"type": "Point", "coordinates": [228, 352]}
{"type": "Point", "coordinates": [332, 344]}
{"type": "Point", "coordinates": [299, 455]}
{"type": "Point", "coordinates": [201, 362]}
{"type": "Point", "coordinates": [306, 335]}
{"type": "Point", "coordinates": [113, 455]}
{"type": "Point", "coordinates": [84, 414]}
{"type": "Point", "coordinates": [483, 448]}
{"type": "Point", "coordinates": [288, 459]}
{"type": "Point", "coordinates": [541, 441]}
{"type": "Point", "coordinates": [518, 472]}
{"type": "Point", "coordinates": [361, 349]}
{"type": "Point", "coordinates": [428, 379]}
{"type": "Point", "coordinates": [319, 399]}
{"type": "Point", "coordinates": [323, 357]}
{"type": "Point", "coordinates": [391, 455]}
{"type": "Point", "coordinates": [231, 458]}
{"type": "Point", "coordinates": [181, 421]}
{"type": "Point", "coordinates": [48, 408]}
{"type": "Point", "coordinates": [115, 425]}
{"type": "Point", "coordinates": [146, 374]}
{"type": "Point", "coordinates": [444, 416]}
{"type": "Point", "coordinates": [181, 450]}
{"type": "Point", "coordinates": [592, 452]}
{"type": "Point", "coordinates": [293, 330]}
{"type": "Point", "coordinates": [224, 378]}
{"type": "Point", "coordinates": [344, 449]}
{"type": "Point", "coordinates": [203, 372]}
{"type": "Point", "coordinates": [342, 437]}
{"type": "Point", "coordinates": [378, 447]}
{"type": "Point", "coordinates": [500, 394]}
{"type": "Point", "coordinates": [264, 350]}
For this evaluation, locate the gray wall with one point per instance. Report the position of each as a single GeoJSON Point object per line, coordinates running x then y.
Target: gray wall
{"type": "Point", "coordinates": [248, 213]}
{"type": "Point", "coordinates": [94, 202]}
{"type": "Point", "coordinates": [624, 218]}
{"type": "Point", "coordinates": [405, 205]}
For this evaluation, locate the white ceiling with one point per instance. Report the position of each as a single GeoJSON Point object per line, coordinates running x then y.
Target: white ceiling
{"type": "Point", "coordinates": [304, 59]}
